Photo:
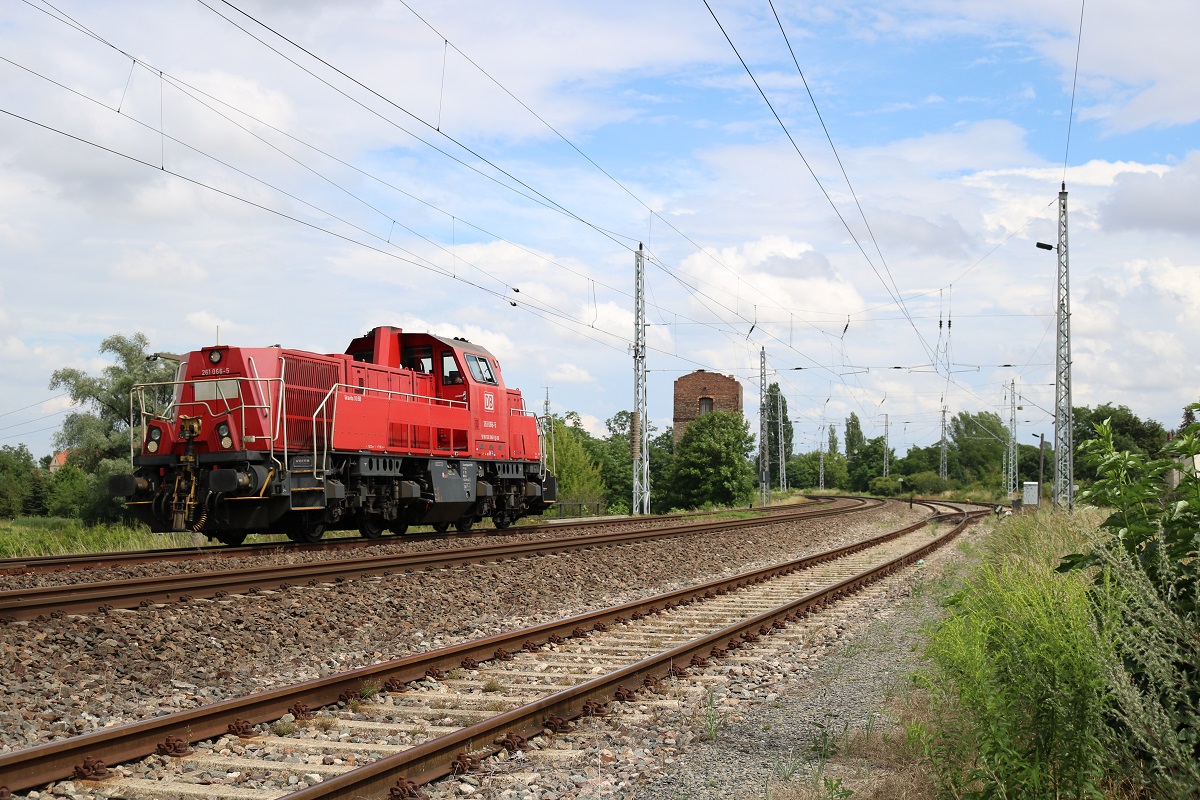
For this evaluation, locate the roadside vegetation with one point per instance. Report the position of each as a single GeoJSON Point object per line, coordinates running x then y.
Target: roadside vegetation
{"type": "Point", "coordinates": [1065, 663]}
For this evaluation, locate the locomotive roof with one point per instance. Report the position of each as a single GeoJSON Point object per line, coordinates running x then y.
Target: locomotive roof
{"type": "Point", "coordinates": [462, 344]}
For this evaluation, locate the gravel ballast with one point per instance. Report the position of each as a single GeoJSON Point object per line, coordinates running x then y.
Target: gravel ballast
{"type": "Point", "coordinates": [68, 676]}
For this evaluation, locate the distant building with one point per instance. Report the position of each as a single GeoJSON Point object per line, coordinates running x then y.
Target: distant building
{"type": "Point", "coordinates": [58, 461]}
{"type": "Point", "coordinates": [700, 393]}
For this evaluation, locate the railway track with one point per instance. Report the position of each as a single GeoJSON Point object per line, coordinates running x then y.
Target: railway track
{"type": "Point", "coordinates": [85, 598]}
{"type": "Point", "coordinates": [454, 705]}
{"type": "Point", "coordinates": [86, 561]}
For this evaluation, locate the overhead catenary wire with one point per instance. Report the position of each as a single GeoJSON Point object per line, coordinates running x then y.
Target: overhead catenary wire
{"type": "Point", "coordinates": [659, 263]}
{"type": "Point", "coordinates": [761, 319]}
{"type": "Point", "coordinates": [812, 172]}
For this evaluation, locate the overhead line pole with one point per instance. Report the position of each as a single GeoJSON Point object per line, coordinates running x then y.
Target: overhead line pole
{"type": "Point", "coordinates": [824, 444]}
{"type": "Point", "coordinates": [1064, 462]}
{"type": "Point", "coordinates": [764, 459]}
{"type": "Point", "coordinates": [885, 445]}
{"type": "Point", "coordinates": [779, 433]}
{"type": "Point", "coordinates": [1012, 439]}
{"type": "Point", "coordinates": [639, 429]}
{"type": "Point", "coordinates": [942, 465]}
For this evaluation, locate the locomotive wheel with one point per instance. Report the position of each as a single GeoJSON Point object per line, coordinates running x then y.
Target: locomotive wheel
{"type": "Point", "coordinates": [231, 539]}
{"type": "Point", "coordinates": [441, 527]}
{"type": "Point", "coordinates": [309, 532]}
{"type": "Point", "coordinates": [398, 528]}
{"type": "Point", "coordinates": [370, 526]}
{"type": "Point", "coordinates": [501, 521]}
{"type": "Point", "coordinates": [463, 525]}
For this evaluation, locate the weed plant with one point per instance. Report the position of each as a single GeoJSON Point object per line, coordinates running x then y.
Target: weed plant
{"type": "Point", "coordinates": [1018, 685]}
{"type": "Point", "coordinates": [36, 536]}
{"type": "Point", "coordinates": [1147, 602]}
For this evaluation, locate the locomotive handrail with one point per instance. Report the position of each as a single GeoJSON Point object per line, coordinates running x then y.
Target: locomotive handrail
{"type": "Point", "coordinates": [138, 391]}
{"type": "Point", "coordinates": [331, 419]}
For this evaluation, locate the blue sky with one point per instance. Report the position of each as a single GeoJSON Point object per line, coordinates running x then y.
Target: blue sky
{"type": "Point", "coordinates": [949, 117]}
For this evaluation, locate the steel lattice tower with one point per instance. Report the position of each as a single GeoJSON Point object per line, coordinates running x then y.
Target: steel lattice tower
{"type": "Point", "coordinates": [824, 444]}
{"type": "Point", "coordinates": [764, 458]}
{"type": "Point", "coordinates": [779, 433]}
{"type": "Point", "coordinates": [639, 429]}
{"type": "Point", "coordinates": [942, 465]}
{"type": "Point", "coordinates": [1064, 462]}
{"type": "Point", "coordinates": [885, 445]}
{"type": "Point", "coordinates": [1012, 438]}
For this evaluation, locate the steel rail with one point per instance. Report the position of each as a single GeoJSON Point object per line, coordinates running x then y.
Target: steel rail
{"type": "Point", "coordinates": [49, 563]}
{"type": "Point", "coordinates": [91, 597]}
{"type": "Point", "coordinates": [56, 760]}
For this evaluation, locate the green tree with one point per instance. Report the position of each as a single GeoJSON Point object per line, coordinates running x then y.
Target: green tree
{"type": "Point", "coordinates": [854, 435]}
{"type": "Point", "coordinates": [711, 462]}
{"type": "Point", "coordinates": [71, 493]}
{"type": "Point", "coordinates": [977, 443]}
{"type": "Point", "coordinates": [919, 459]}
{"type": "Point", "coordinates": [774, 400]}
{"type": "Point", "coordinates": [866, 464]}
{"type": "Point", "coordinates": [833, 439]}
{"type": "Point", "coordinates": [1129, 433]}
{"type": "Point", "coordinates": [101, 430]}
{"type": "Point", "coordinates": [804, 470]}
{"type": "Point", "coordinates": [578, 473]}
{"type": "Point", "coordinates": [662, 465]}
{"type": "Point", "coordinates": [615, 456]}
{"type": "Point", "coordinates": [17, 468]}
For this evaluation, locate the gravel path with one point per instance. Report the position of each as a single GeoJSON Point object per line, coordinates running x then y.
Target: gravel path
{"type": "Point", "coordinates": [68, 676]}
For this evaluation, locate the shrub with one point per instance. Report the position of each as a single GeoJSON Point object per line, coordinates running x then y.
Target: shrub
{"type": "Point", "coordinates": [1145, 599]}
{"type": "Point", "coordinates": [1018, 686]}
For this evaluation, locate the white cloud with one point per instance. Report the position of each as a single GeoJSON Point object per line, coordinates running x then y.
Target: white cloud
{"type": "Point", "coordinates": [570, 373]}
{"type": "Point", "coordinates": [160, 263]}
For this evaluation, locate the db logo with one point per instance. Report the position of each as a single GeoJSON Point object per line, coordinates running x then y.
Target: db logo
{"type": "Point", "coordinates": [489, 401]}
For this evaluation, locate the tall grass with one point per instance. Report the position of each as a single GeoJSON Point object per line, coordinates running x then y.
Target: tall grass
{"type": "Point", "coordinates": [1017, 677]}
{"type": "Point", "coordinates": [35, 536]}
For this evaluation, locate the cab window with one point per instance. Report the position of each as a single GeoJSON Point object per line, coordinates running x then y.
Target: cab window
{"type": "Point", "coordinates": [481, 370]}
{"type": "Point", "coordinates": [451, 374]}
{"type": "Point", "coordinates": [418, 358]}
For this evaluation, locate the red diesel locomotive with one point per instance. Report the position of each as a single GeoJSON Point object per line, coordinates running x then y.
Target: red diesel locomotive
{"type": "Point", "coordinates": [403, 429]}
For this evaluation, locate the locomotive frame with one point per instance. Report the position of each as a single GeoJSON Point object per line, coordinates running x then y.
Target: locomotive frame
{"type": "Point", "coordinates": [401, 429]}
